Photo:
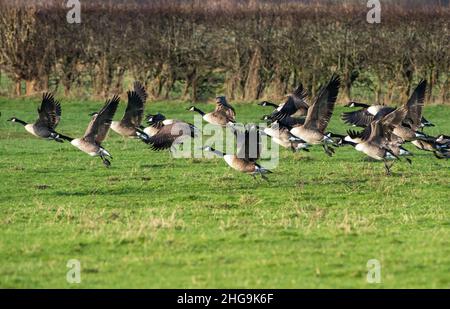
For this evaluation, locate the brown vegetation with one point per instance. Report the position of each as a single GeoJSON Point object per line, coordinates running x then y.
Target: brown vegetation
{"type": "Point", "coordinates": [245, 49]}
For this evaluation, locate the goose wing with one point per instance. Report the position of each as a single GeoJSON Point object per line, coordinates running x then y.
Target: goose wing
{"type": "Point", "coordinates": [140, 90]}
{"type": "Point", "coordinates": [415, 105]}
{"type": "Point", "coordinates": [319, 114]}
{"type": "Point", "coordinates": [49, 112]}
{"type": "Point", "coordinates": [294, 102]}
{"type": "Point", "coordinates": [360, 118]}
{"type": "Point", "coordinates": [134, 111]}
{"type": "Point", "coordinates": [381, 129]}
{"type": "Point", "coordinates": [167, 135]}
{"type": "Point", "coordinates": [100, 122]}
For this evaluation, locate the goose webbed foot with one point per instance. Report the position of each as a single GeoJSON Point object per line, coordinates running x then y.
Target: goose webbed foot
{"type": "Point", "coordinates": [105, 161]}
{"type": "Point", "coordinates": [387, 167]}
{"type": "Point", "coordinates": [328, 150]}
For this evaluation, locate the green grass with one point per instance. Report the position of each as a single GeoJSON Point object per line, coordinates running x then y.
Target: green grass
{"type": "Point", "coordinates": [151, 221]}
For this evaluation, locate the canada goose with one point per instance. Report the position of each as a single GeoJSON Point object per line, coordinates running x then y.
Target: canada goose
{"type": "Point", "coordinates": [381, 144]}
{"type": "Point", "coordinates": [49, 117]}
{"type": "Point", "coordinates": [442, 154]}
{"type": "Point", "coordinates": [248, 152]}
{"type": "Point", "coordinates": [434, 144]}
{"type": "Point", "coordinates": [132, 118]}
{"type": "Point", "coordinates": [172, 134]}
{"type": "Point", "coordinates": [279, 131]}
{"type": "Point", "coordinates": [96, 132]}
{"type": "Point", "coordinates": [223, 114]}
{"type": "Point", "coordinates": [319, 114]}
{"type": "Point", "coordinates": [295, 105]}
{"type": "Point", "coordinates": [364, 116]}
{"type": "Point", "coordinates": [407, 130]}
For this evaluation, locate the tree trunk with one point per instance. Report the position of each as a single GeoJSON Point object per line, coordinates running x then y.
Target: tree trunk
{"type": "Point", "coordinates": [252, 84]}
{"type": "Point", "coordinates": [29, 87]}
{"type": "Point", "coordinates": [18, 87]}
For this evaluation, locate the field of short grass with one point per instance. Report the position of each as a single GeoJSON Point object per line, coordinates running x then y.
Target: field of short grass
{"type": "Point", "coordinates": [151, 221]}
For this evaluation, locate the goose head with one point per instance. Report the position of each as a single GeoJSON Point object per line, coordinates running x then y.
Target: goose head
{"type": "Point", "coordinates": [220, 99]}
{"type": "Point", "coordinates": [158, 117]}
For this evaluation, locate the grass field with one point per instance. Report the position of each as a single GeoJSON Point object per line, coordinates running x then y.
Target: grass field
{"type": "Point", "coordinates": [151, 221]}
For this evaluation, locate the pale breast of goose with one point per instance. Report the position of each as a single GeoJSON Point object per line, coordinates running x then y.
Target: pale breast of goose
{"type": "Point", "coordinates": [216, 118]}
{"type": "Point", "coordinates": [117, 127]}
{"type": "Point", "coordinates": [37, 131]}
{"type": "Point", "coordinates": [150, 131]}
{"type": "Point", "coordinates": [281, 137]}
{"type": "Point", "coordinates": [239, 164]}
{"type": "Point", "coordinates": [86, 147]}
{"type": "Point", "coordinates": [371, 150]}
{"type": "Point", "coordinates": [312, 137]}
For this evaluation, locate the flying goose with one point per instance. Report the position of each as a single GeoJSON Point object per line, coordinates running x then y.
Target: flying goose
{"type": "Point", "coordinates": [172, 134]}
{"type": "Point", "coordinates": [434, 144]}
{"type": "Point", "coordinates": [132, 118]}
{"type": "Point", "coordinates": [407, 130]}
{"type": "Point", "coordinates": [364, 116]}
{"type": "Point", "coordinates": [223, 114]}
{"type": "Point", "coordinates": [318, 117]}
{"type": "Point", "coordinates": [49, 117]}
{"type": "Point", "coordinates": [295, 105]}
{"type": "Point", "coordinates": [96, 132]}
{"type": "Point", "coordinates": [248, 152]}
{"type": "Point", "coordinates": [380, 143]}
{"type": "Point", "coordinates": [279, 131]}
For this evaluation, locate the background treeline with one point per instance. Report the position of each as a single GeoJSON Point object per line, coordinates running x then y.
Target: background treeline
{"type": "Point", "coordinates": [246, 50]}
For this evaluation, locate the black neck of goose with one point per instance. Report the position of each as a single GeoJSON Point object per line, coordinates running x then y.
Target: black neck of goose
{"type": "Point", "coordinates": [217, 152]}
{"type": "Point", "coordinates": [64, 137]}
{"type": "Point", "coordinates": [199, 111]}
{"type": "Point", "coordinates": [21, 122]}
{"type": "Point", "coordinates": [271, 104]}
{"type": "Point", "coordinates": [357, 104]}
{"type": "Point", "coordinates": [344, 142]}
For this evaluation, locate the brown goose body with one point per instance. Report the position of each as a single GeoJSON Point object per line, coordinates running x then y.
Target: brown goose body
{"type": "Point", "coordinates": [311, 136]}
{"type": "Point", "coordinates": [240, 164]}
{"type": "Point", "coordinates": [127, 127]}
{"type": "Point", "coordinates": [405, 133]}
